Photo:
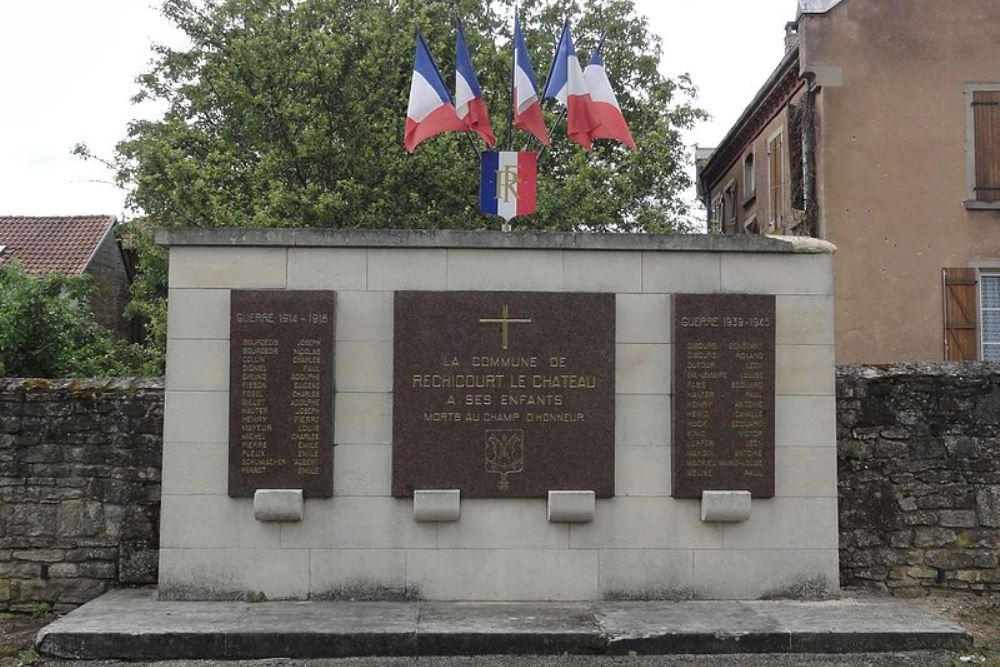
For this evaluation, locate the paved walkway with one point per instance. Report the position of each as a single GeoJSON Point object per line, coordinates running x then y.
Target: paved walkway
{"type": "Point", "coordinates": [134, 625]}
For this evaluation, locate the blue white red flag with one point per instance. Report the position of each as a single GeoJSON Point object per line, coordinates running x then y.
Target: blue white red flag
{"type": "Point", "coordinates": [508, 183]}
{"type": "Point", "coordinates": [527, 107]}
{"type": "Point", "coordinates": [469, 102]}
{"type": "Point", "coordinates": [567, 84]}
{"type": "Point", "coordinates": [604, 104]}
{"type": "Point", "coordinates": [430, 111]}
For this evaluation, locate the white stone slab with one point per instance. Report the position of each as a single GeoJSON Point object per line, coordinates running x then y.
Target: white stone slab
{"type": "Point", "coordinates": [646, 573]}
{"type": "Point", "coordinates": [327, 268]}
{"type": "Point", "coordinates": [209, 476]}
{"type": "Point", "coordinates": [805, 421]}
{"type": "Point", "coordinates": [503, 574]}
{"type": "Point", "coordinates": [509, 523]}
{"type": "Point", "coordinates": [355, 573]}
{"type": "Point", "coordinates": [571, 506]}
{"type": "Point", "coordinates": [605, 271]}
{"type": "Point", "coordinates": [198, 313]}
{"type": "Point", "coordinates": [642, 471]}
{"type": "Point", "coordinates": [363, 418]}
{"type": "Point", "coordinates": [766, 273]}
{"type": "Point", "coordinates": [646, 523]}
{"type": "Point", "coordinates": [228, 573]}
{"type": "Point", "coordinates": [364, 366]}
{"type": "Point", "coordinates": [364, 316]}
{"type": "Point", "coordinates": [278, 505]}
{"type": "Point", "coordinates": [362, 470]}
{"type": "Point", "coordinates": [805, 472]}
{"type": "Point", "coordinates": [198, 365]}
{"type": "Point", "coordinates": [752, 573]}
{"type": "Point", "coordinates": [642, 318]}
{"type": "Point", "coordinates": [407, 269]}
{"type": "Point", "coordinates": [236, 268]}
{"type": "Point", "coordinates": [642, 368]}
{"type": "Point", "coordinates": [786, 523]}
{"type": "Point", "coordinates": [803, 320]}
{"type": "Point", "coordinates": [642, 420]}
{"type": "Point", "coordinates": [196, 416]}
{"type": "Point", "coordinates": [348, 522]}
{"type": "Point", "coordinates": [804, 370]}
{"type": "Point", "coordinates": [502, 270]}
{"type": "Point", "coordinates": [674, 272]}
{"type": "Point", "coordinates": [437, 504]}
{"type": "Point", "coordinates": [207, 521]}
{"type": "Point", "coordinates": [725, 506]}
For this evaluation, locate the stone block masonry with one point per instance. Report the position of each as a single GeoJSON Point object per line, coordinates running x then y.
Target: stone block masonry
{"type": "Point", "coordinates": [79, 489]}
{"type": "Point", "coordinates": [919, 476]}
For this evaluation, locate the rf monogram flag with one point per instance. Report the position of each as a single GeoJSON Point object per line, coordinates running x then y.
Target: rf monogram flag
{"type": "Point", "coordinates": [508, 183]}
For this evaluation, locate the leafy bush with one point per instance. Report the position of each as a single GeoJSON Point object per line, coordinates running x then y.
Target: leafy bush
{"type": "Point", "coordinates": [47, 329]}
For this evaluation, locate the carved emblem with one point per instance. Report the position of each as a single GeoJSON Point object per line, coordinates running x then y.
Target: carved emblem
{"type": "Point", "coordinates": [504, 453]}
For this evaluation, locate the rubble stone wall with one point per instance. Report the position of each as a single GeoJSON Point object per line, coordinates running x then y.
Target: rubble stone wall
{"type": "Point", "coordinates": [79, 489]}
{"type": "Point", "coordinates": [919, 482]}
{"type": "Point", "coordinates": [919, 476]}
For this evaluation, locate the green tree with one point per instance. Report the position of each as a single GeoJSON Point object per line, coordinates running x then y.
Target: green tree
{"type": "Point", "coordinates": [47, 329]}
{"type": "Point", "coordinates": [288, 113]}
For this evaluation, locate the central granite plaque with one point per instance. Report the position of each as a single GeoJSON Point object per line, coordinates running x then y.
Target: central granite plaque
{"type": "Point", "coordinates": [503, 394]}
{"type": "Point", "coordinates": [281, 392]}
{"type": "Point", "coordinates": [723, 407]}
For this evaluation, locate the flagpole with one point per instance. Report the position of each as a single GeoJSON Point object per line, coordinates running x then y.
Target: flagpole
{"type": "Point", "coordinates": [510, 90]}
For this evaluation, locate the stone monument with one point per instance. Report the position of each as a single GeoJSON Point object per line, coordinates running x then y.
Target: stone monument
{"type": "Point", "coordinates": [487, 416]}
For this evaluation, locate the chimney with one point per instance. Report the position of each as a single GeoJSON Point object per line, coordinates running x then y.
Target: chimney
{"type": "Point", "coordinates": [791, 35]}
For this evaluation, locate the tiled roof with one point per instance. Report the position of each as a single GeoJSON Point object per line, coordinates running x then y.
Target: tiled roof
{"type": "Point", "coordinates": [57, 244]}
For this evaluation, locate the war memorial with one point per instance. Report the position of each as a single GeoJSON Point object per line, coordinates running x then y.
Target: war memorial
{"type": "Point", "coordinates": [426, 443]}
{"type": "Point", "coordinates": [463, 415]}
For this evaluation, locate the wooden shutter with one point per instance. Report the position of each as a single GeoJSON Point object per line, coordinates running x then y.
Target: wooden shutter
{"type": "Point", "coordinates": [986, 118]}
{"type": "Point", "coordinates": [961, 315]}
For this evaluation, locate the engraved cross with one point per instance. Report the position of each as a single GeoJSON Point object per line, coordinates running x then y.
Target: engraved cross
{"type": "Point", "coordinates": [504, 320]}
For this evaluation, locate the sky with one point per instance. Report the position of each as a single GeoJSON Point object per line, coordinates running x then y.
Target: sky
{"type": "Point", "coordinates": [68, 69]}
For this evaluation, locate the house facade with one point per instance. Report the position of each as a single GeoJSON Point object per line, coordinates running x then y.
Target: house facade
{"type": "Point", "coordinates": [880, 132]}
{"type": "Point", "coordinates": [74, 245]}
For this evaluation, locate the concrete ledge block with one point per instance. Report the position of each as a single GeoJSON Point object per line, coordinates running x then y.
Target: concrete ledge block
{"type": "Point", "coordinates": [572, 506]}
{"type": "Point", "coordinates": [278, 505]}
{"type": "Point", "coordinates": [725, 506]}
{"type": "Point", "coordinates": [437, 504]}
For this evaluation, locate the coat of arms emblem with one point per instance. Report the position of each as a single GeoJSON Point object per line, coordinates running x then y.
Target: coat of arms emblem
{"type": "Point", "coordinates": [504, 453]}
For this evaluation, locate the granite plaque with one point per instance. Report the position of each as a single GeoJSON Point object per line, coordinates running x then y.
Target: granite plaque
{"type": "Point", "coordinates": [281, 392]}
{"type": "Point", "coordinates": [503, 394]}
{"type": "Point", "coordinates": [723, 400]}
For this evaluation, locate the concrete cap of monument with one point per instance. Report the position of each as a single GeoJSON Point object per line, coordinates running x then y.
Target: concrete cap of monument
{"type": "Point", "coordinates": [448, 238]}
{"type": "Point", "coordinates": [278, 505]}
{"type": "Point", "coordinates": [725, 506]}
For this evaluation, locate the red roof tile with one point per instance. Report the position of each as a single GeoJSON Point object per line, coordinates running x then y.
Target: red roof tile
{"type": "Point", "coordinates": [57, 244]}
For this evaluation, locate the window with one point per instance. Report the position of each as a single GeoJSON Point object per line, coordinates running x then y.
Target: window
{"type": "Point", "coordinates": [775, 176]}
{"type": "Point", "coordinates": [983, 145]}
{"type": "Point", "coordinates": [729, 208]}
{"type": "Point", "coordinates": [715, 215]}
{"type": "Point", "coordinates": [989, 292]}
{"type": "Point", "coordinates": [749, 179]}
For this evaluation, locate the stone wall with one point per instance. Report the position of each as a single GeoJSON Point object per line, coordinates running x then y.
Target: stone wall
{"type": "Point", "coordinates": [919, 476]}
{"type": "Point", "coordinates": [79, 488]}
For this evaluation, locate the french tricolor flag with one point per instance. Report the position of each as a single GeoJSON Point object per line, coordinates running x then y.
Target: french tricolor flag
{"type": "Point", "coordinates": [469, 102]}
{"type": "Point", "coordinates": [508, 183]}
{"type": "Point", "coordinates": [527, 107]}
{"type": "Point", "coordinates": [604, 105]}
{"type": "Point", "coordinates": [430, 111]}
{"type": "Point", "coordinates": [567, 84]}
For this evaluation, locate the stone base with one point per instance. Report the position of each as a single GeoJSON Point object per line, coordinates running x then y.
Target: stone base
{"type": "Point", "coordinates": [133, 625]}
